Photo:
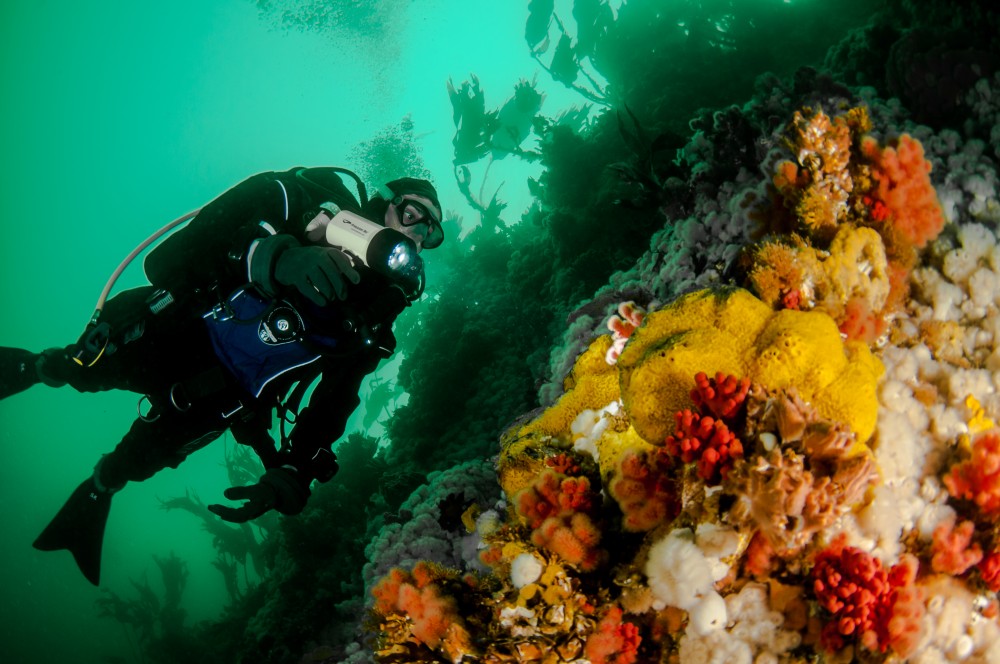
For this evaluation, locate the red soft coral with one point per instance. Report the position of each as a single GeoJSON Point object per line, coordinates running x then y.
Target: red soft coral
{"type": "Point", "coordinates": [575, 494]}
{"type": "Point", "coordinates": [563, 463]}
{"type": "Point", "coordinates": [852, 586]}
{"type": "Point", "coordinates": [903, 186]}
{"type": "Point", "coordinates": [989, 570]}
{"type": "Point", "coordinates": [707, 441]}
{"type": "Point", "coordinates": [953, 550]}
{"type": "Point", "coordinates": [880, 609]}
{"type": "Point", "coordinates": [644, 489]}
{"type": "Point", "coordinates": [876, 208]}
{"type": "Point", "coordinates": [978, 479]}
{"type": "Point", "coordinates": [614, 642]}
{"type": "Point", "coordinates": [722, 396]}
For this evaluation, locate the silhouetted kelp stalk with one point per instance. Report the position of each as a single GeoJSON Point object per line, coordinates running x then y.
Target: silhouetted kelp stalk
{"type": "Point", "coordinates": [236, 545]}
{"type": "Point", "coordinates": [146, 620]}
{"type": "Point", "coordinates": [572, 58]}
{"type": "Point", "coordinates": [383, 399]}
{"type": "Point", "coordinates": [495, 134]}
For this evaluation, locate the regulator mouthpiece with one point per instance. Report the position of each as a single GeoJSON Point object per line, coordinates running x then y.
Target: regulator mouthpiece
{"type": "Point", "coordinates": [384, 250]}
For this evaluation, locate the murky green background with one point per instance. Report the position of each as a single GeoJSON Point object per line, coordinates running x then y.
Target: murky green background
{"type": "Point", "coordinates": [116, 117]}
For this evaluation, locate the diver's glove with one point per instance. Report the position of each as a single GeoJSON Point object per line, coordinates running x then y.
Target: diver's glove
{"type": "Point", "coordinates": [279, 489]}
{"type": "Point", "coordinates": [319, 273]}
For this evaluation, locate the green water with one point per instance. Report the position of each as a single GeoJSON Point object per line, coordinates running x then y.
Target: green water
{"type": "Point", "coordinates": [116, 118]}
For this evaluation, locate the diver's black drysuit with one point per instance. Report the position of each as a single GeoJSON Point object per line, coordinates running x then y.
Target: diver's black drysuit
{"type": "Point", "coordinates": [173, 357]}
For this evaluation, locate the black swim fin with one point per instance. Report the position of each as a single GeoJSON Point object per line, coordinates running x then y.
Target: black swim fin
{"type": "Point", "coordinates": [17, 371]}
{"type": "Point", "coordinates": [79, 528]}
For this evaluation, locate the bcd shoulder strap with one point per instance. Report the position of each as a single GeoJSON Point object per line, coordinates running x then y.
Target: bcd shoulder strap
{"type": "Point", "coordinates": [325, 183]}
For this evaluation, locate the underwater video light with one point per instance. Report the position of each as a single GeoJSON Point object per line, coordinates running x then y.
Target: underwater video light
{"type": "Point", "coordinates": [384, 250]}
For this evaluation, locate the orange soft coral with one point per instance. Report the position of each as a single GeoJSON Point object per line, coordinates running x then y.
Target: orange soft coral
{"type": "Point", "coordinates": [903, 186]}
{"type": "Point", "coordinates": [860, 323]}
{"type": "Point", "coordinates": [614, 641]}
{"type": "Point", "coordinates": [978, 479]}
{"type": "Point", "coordinates": [573, 538]}
{"type": "Point", "coordinates": [417, 597]}
{"type": "Point", "coordinates": [557, 508]}
{"type": "Point", "coordinates": [759, 559]}
{"type": "Point", "coordinates": [644, 489]}
{"type": "Point", "coordinates": [431, 613]}
{"type": "Point", "coordinates": [553, 494]}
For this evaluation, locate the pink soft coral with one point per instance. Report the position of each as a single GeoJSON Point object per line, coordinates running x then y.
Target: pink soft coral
{"type": "Point", "coordinates": [630, 316]}
{"type": "Point", "coordinates": [860, 323]}
{"type": "Point", "coordinates": [905, 625]}
{"type": "Point", "coordinates": [978, 479]}
{"type": "Point", "coordinates": [903, 186]}
{"type": "Point", "coordinates": [707, 441]}
{"type": "Point", "coordinates": [953, 550]}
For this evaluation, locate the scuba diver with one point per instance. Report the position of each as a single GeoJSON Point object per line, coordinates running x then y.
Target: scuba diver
{"type": "Point", "coordinates": [283, 279]}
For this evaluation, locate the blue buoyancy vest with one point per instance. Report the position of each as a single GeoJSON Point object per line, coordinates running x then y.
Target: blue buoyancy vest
{"type": "Point", "coordinates": [259, 340]}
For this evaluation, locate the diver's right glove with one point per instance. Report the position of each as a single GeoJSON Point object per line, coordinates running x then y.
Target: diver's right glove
{"type": "Point", "coordinates": [319, 273]}
{"type": "Point", "coordinates": [278, 489]}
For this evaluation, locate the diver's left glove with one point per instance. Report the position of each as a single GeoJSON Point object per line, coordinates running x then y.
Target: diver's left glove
{"type": "Point", "coordinates": [278, 489]}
